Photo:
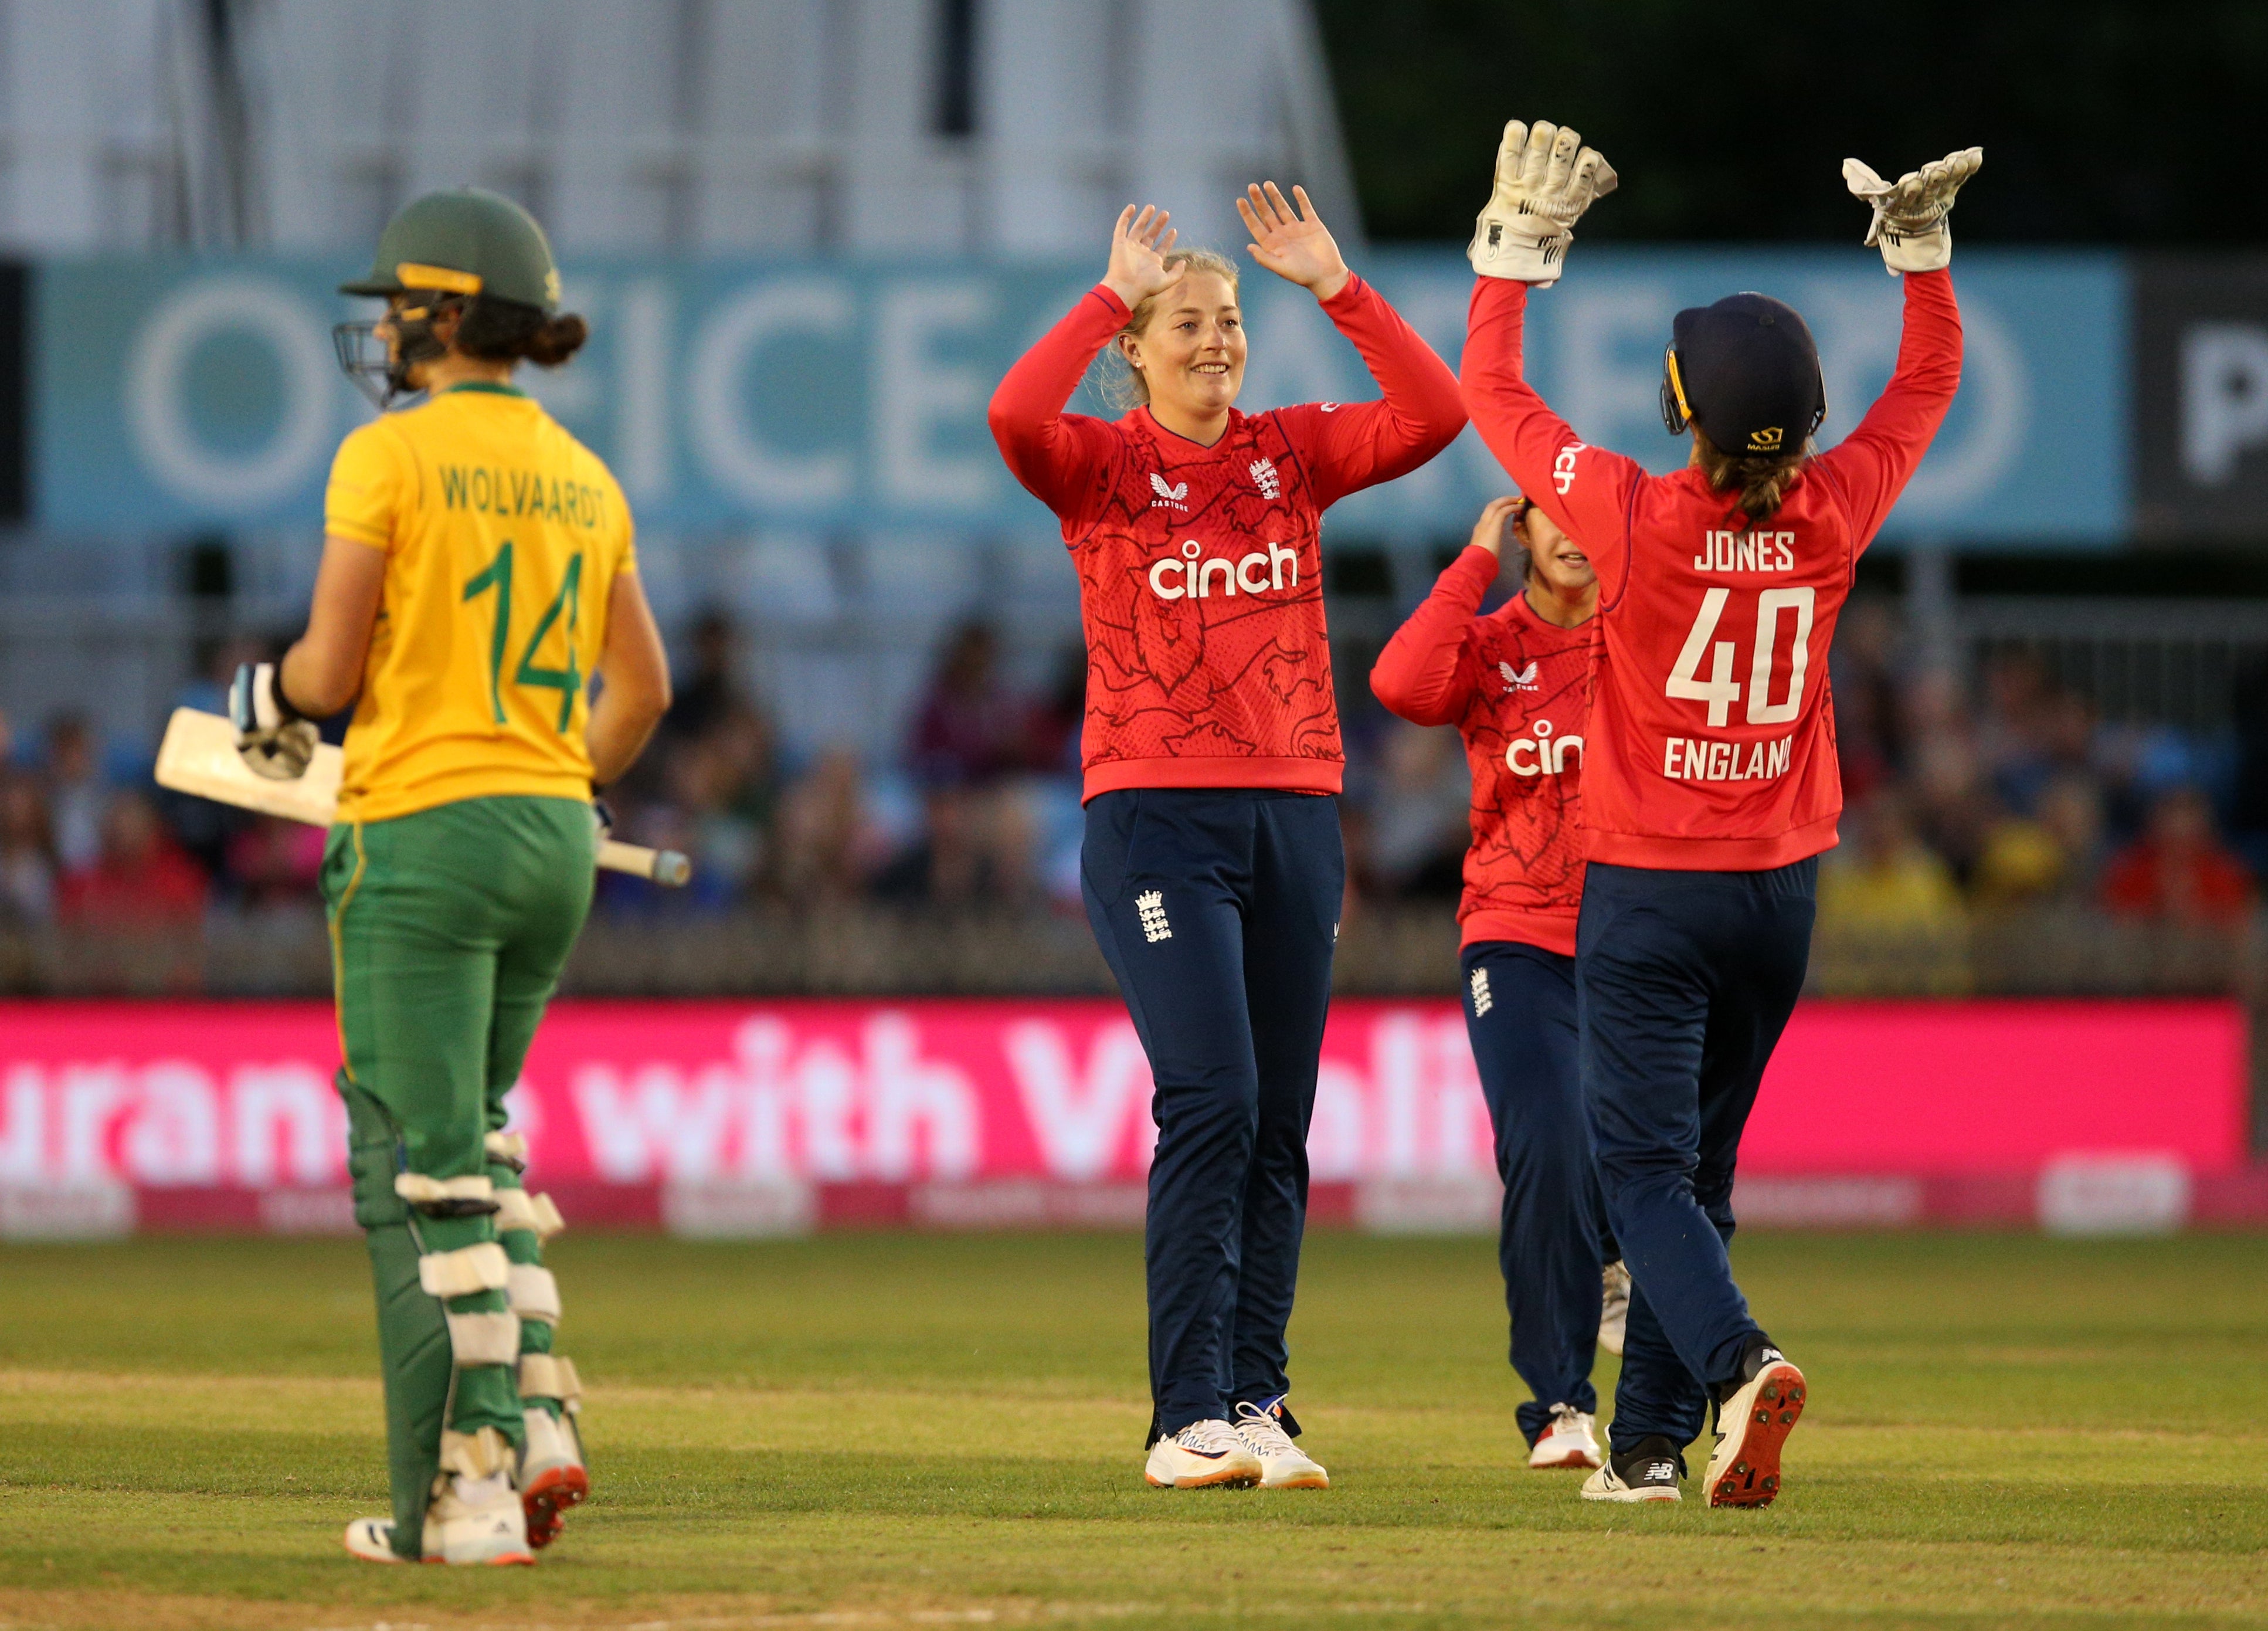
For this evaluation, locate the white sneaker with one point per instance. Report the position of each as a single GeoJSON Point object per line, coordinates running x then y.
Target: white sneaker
{"type": "Point", "coordinates": [1648, 1472]}
{"type": "Point", "coordinates": [1287, 1465]}
{"type": "Point", "coordinates": [372, 1540]}
{"type": "Point", "coordinates": [1205, 1455]}
{"type": "Point", "coordinates": [552, 1476]}
{"type": "Point", "coordinates": [480, 1521]}
{"type": "Point", "coordinates": [1614, 1308]}
{"type": "Point", "coordinates": [1567, 1443]}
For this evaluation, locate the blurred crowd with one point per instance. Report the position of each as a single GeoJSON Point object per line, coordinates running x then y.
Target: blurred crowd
{"type": "Point", "coordinates": [1964, 800]}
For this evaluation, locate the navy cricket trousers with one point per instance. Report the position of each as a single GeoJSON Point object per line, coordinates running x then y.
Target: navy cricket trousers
{"type": "Point", "coordinates": [1685, 981]}
{"type": "Point", "coordinates": [1520, 1011]}
{"type": "Point", "coordinates": [1218, 910]}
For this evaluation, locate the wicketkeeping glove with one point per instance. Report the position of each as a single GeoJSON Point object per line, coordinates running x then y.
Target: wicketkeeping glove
{"type": "Point", "coordinates": [277, 741]}
{"type": "Point", "coordinates": [1545, 178]}
{"type": "Point", "coordinates": [1910, 214]}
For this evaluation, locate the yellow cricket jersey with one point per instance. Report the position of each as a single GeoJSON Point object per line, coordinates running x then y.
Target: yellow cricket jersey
{"type": "Point", "coordinates": [503, 536]}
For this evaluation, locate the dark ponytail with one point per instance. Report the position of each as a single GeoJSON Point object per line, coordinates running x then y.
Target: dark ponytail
{"type": "Point", "coordinates": [1764, 482]}
{"type": "Point", "coordinates": [505, 331]}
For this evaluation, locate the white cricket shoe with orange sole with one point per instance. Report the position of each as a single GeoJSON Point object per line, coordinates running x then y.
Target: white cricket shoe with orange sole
{"type": "Point", "coordinates": [1753, 1421]}
{"type": "Point", "coordinates": [1286, 1466]}
{"type": "Point", "coordinates": [1205, 1455]}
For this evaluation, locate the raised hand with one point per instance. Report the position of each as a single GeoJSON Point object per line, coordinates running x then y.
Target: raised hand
{"type": "Point", "coordinates": [1293, 244]}
{"type": "Point", "coordinates": [1138, 246]}
{"type": "Point", "coordinates": [1496, 522]}
{"type": "Point", "coordinates": [1910, 221]}
{"type": "Point", "coordinates": [1545, 178]}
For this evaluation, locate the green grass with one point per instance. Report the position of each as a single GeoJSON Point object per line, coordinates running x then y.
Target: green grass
{"type": "Point", "coordinates": [896, 1430]}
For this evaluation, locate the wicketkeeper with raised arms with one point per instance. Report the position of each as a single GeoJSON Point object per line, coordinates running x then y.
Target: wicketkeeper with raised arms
{"type": "Point", "coordinates": [477, 575]}
{"type": "Point", "coordinates": [1709, 782]}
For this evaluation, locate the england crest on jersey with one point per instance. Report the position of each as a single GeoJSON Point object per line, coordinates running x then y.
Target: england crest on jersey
{"type": "Point", "coordinates": [1264, 476]}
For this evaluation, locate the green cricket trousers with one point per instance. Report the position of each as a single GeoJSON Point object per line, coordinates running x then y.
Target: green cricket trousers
{"type": "Point", "coordinates": [449, 927]}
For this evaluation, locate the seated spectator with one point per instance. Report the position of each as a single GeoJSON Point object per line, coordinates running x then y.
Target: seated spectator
{"type": "Point", "coordinates": [969, 741]}
{"type": "Point", "coordinates": [27, 853]}
{"type": "Point", "coordinates": [2052, 855]}
{"type": "Point", "coordinates": [2178, 870]}
{"type": "Point", "coordinates": [140, 878]}
{"type": "Point", "coordinates": [1420, 816]}
{"type": "Point", "coordinates": [829, 848]}
{"type": "Point", "coordinates": [712, 689]}
{"type": "Point", "coordinates": [1884, 880]}
{"type": "Point", "coordinates": [75, 795]}
{"type": "Point", "coordinates": [273, 862]}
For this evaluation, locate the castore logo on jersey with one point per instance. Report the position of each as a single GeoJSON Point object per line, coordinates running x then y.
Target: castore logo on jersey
{"type": "Point", "coordinates": [1188, 577]}
{"type": "Point", "coordinates": [1546, 756]}
{"type": "Point", "coordinates": [1168, 496]}
{"type": "Point", "coordinates": [1517, 679]}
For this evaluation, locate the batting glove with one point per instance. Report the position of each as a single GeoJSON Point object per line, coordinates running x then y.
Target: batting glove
{"type": "Point", "coordinates": [1545, 178]}
{"type": "Point", "coordinates": [276, 740]}
{"type": "Point", "coordinates": [1911, 213]}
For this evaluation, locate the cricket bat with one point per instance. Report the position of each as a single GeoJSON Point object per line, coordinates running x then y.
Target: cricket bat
{"type": "Point", "coordinates": [199, 756]}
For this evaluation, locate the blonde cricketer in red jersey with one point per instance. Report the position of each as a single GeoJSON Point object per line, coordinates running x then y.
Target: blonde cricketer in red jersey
{"type": "Point", "coordinates": [1212, 865]}
{"type": "Point", "coordinates": [1709, 782]}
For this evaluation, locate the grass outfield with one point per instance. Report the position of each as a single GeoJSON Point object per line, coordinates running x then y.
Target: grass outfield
{"type": "Point", "coordinates": [882, 1430]}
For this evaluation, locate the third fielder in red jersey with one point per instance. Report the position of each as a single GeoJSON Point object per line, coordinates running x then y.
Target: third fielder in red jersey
{"type": "Point", "coordinates": [1516, 684]}
{"type": "Point", "coordinates": [1710, 780]}
{"type": "Point", "coordinates": [1212, 868]}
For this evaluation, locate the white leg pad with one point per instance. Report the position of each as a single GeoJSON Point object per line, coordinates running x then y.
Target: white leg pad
{"type": "Point", "coordinates": [420, 1190]}
{"type": "Point", "coordinates": [509, 1148]}
{"type": "Point", "coordinates": [547, 1375]}
{"type": "Point", "coordinates": [533, 1292]}
{"type": "Point", "coordinates": [484, 1338]}
{"type": "Point", "coordinates": [461, 1272]}
{"type": "Point", "coordinates": [516, 1208]}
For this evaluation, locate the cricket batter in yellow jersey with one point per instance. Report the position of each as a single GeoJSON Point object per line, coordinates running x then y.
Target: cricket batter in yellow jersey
{"type": "Point", "coordinates": [477, 578]}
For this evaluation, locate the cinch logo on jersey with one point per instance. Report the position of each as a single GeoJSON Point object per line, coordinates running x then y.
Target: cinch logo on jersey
{"type": "Point", "coordinates": [1168, 496]}
{"type": "Point", "coordinates": [1745, 551]}
{"type": "Point", "coordinates": [1563, 467]}
{"type": "Point", "coordinates": [1685, 759]}
{"type": "Point", "coordinates": [1543, 755]}
{"type": "Point", "coordinates": [1257, 574]}
{"type": "Point", "coordinates": [518, 492]}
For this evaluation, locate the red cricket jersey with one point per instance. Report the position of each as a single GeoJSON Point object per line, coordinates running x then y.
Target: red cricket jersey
{"type": "Point", "coordinates": [1518, 689]}
{"type": "Point", "coordinates": [1710, 745]}
{"type": "Point", "coordinates": [1200, 568]}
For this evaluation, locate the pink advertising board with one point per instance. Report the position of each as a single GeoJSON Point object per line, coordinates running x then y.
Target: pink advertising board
{"type": "Point", "coordinates": [173, 1096]}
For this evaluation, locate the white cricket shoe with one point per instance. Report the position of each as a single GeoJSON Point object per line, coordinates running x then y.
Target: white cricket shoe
{"type": "Point", "coordinates": [1648, 1470]}
{"type": "Point", "coordinates": [1567, 1443]}
{"type": "Point", "coordinates": [480, 1521]}
{"type": "Point", "coordinates": [1755, 1415]}
{"type": "Point", "coordinates": [1205, 1455]}
{"type": "Point", "coordinates": [372, 1540]}
{"type": "Point", "coordinates": [552, 1476]}
{"type": "Point", "coordinates": [1614, 1308]}
{"type": "Point", "coordinates": [1287, 1465]}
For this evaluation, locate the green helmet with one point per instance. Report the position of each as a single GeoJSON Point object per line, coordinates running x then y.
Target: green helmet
{"type": "Point", "coordinates": [465, 240]}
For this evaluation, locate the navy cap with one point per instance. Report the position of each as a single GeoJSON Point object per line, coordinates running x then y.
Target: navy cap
{"type": "Point", "coordinates": [1747, 369]}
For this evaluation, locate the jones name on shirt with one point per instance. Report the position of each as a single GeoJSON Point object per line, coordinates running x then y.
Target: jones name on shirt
{"type": "Point", "coordinates": [1685, 758]}
{"type": "Point", "coordinates": [1746, 552]}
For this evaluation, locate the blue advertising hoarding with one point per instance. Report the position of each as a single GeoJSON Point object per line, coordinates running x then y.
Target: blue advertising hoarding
{"type": "Point", "coordinates": [180, 393]}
